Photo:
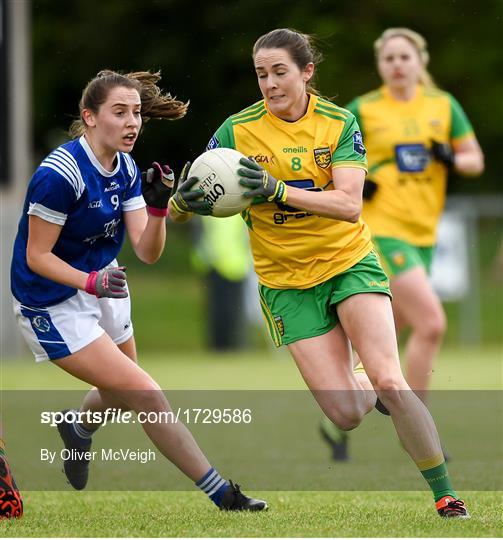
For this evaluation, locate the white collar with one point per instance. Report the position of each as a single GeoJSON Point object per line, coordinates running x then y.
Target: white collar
{"type": "Point", "coordinates": [94, 160]}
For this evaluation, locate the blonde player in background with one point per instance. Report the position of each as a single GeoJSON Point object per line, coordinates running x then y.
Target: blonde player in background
{"type": "Point", "coordinates": [321, 284]}
{"type": "Point", "coordinates": [415, 134]}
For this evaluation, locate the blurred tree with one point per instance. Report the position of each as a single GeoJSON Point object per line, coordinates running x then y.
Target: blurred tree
{"type": "Point", "coordinates": [204, 54]}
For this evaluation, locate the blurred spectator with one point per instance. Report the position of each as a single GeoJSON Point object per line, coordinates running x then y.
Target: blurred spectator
{"type": "Point", "coordinates": [222, 255]}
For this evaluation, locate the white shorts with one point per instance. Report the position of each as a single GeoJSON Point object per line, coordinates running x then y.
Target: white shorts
{"type": "Point", "coordinates": [57, 331]}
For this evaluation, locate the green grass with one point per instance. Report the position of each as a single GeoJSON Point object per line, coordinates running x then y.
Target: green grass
{"type": "Point", "coordinates": [468, 368]}
{"type": "Point", "coordinates": [292, 513]}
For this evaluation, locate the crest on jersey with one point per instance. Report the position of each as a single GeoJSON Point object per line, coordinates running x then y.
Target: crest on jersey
{"type": "Point", "coordinates": [398, 258]}
{"type": "Point", "coordinates": [323, 157]}
{"type": "Point", "coordinates": [279, 325]}
{"type": "Point", "coordinates": [41, 324]}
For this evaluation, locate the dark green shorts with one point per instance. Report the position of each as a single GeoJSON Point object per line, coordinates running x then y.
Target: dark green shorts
{"type": "Point", "coordinates": [398, 256]}
{"type": "Point", "coordinates": [294, 314]}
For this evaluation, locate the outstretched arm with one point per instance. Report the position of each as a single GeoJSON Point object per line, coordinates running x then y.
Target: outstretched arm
{"type": "Point", "coordinates": [343, 203]}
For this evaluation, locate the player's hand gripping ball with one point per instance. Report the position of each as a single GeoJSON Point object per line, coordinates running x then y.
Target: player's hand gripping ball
{"type": "Point", "coordinates": [264, 187]}
{"type": "Point", "coordinates": [217, 180]}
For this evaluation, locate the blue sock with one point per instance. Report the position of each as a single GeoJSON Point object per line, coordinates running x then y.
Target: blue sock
{"type": "Point", "coordinates": [213, 485]}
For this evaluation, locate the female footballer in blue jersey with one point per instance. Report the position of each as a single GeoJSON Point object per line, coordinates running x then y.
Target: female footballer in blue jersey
{"type": "Point", "coordinates": [71, 297]}
{"type": "Point", "coordinates": [322, 287]}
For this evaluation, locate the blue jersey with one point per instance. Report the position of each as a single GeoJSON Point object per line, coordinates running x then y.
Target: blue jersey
{"type": "Point", "coordinates": [71, 188]}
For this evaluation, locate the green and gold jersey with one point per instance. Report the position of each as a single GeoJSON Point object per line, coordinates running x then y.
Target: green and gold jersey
{"type": "Point", "coordinates": [293, 249]}
{"type": "Point", "coordinates": [398, 137]}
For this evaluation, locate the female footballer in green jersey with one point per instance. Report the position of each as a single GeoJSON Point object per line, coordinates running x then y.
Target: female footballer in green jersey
{"type": "Point", "coordinates": [321, 284]}
{"type": "Point", "coordinates": [414, 134]}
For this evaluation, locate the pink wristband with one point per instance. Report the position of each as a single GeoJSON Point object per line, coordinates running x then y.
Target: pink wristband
{"type": "Point", "coordinates": [158, 212]}
{"type": "Point", "coordinates": [91, 283]}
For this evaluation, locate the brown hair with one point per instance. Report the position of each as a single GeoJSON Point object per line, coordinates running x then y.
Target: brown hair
{"type": "Point", "coordinates": [154, 104]}
{"type": "Point", "coordinates": [419, 43]}
{"type": "Point", "coordinates": [300, 47]}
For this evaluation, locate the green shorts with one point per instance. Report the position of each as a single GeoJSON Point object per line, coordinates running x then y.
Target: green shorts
{"type": "Point", "coordinates": [397, 256]}
{"type": "Point", "coordinates": [295, 314]}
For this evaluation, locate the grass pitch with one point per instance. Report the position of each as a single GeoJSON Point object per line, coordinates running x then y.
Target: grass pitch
{"type": "Point", "coordinates": [292, 513]}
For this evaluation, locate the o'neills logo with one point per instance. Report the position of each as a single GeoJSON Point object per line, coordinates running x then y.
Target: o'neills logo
{"type": "Point", "coordinates": [212, 188]}
{"type": "Point", "coordinates": [322, 157]}
{"type": "Point", "coordinates": [295, 150]}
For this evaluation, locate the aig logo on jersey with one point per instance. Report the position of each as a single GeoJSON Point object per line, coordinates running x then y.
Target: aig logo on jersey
{"type": "Point", "coordinates": [358, 143]}
{"type": "Point", "coordinates": [323, 157]}
{"type": "Point", "coordinates": [95, 204]}
{"type": "Point", "coordinates": [412, 157]}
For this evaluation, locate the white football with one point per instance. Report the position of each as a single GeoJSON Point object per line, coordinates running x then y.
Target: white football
{"type": "Point", "coordinates": [218, 178]}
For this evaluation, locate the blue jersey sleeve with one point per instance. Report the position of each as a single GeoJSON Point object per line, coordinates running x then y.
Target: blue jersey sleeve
{"type": "Point", "coordinates": [51, 195]}
{"type": "Point", "coordinates": [133, 199]}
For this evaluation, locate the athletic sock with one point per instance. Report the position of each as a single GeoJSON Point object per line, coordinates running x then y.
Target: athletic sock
{"type": "Point", "coordinates": [80, 434]}
{"type": "Point", "coordinates": [213, 485]}
{"type": "Point", "coordinates": [435, 472]}
{"type": "Point", "coordinates": [2, 448]}
{"type": "Point", "coordinates": [334, 433]}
